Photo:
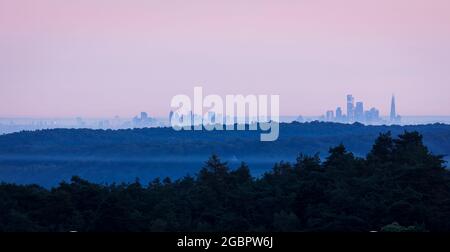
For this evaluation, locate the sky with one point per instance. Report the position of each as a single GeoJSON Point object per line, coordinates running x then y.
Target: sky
{"type": "Point", "coordinates": [102, 58]}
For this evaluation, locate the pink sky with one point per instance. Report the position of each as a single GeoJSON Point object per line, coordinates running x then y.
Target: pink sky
{"type": "Point", "coordinates": [101, 58]}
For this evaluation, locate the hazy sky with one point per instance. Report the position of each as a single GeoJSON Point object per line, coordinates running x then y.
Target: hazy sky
{"type": "Point", "coordinates": [101, 58]}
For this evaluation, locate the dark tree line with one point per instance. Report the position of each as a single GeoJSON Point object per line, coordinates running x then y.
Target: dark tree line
{"type": "Point", "coordinates": [399, 186]}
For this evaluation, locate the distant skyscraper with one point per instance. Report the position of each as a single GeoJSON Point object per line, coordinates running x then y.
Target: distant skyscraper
{"type": "Point", "coordinates": [339, 114]}
{"type": "Point", "coordinates": [359, 112]}
{"type": "Point", "coordinates": [350, 108]}
{"type": "Point", "coordinates": [144, 116]}
{"type": "Point", "coordinates": [144, 120]}
{"type": "Point", "coordinates": [393, 115]}
{"type": "Point", "coordinates": [329, 115]}
{"type": "Point", "coordinates": [372, 116]}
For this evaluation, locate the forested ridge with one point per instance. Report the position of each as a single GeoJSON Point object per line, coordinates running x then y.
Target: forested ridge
{"type": "Point", "coordinates": [398, 186]}
{"type": "Point", "coordinates": [47, 157]}
{"type": "Point", "coordinates": [307, 138]}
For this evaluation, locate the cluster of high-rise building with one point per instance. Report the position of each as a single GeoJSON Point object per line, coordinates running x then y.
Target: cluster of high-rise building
{"type": "Point", "coordinates": [143, 121]}
{"type": "Point", "coordinates": [355, 113]}
{"type": "Point", "coordinates": [208, 118]}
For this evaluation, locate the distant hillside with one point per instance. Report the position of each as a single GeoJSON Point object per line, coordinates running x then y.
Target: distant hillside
{"type": "Point", "coordinates": [399, 187]}
{"type": "Point", "coordinates": [48, 156]}
{"type": "Point", "coordinates": [154, 142]}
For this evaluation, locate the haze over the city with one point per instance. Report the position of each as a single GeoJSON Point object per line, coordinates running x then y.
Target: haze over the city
{"type": "Point", "coordinates": [103, 58]}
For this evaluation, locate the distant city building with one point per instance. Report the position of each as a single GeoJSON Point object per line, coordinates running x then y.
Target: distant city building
{"type": "Point", "coordinates": [372, 116]}
{"type": "Point", "coordinates": [144, 116]}
{"type": "Point", "coordinates": [393, 116]}
{"type": "Point", "coordinates": [143, 121]}
{"type": "Point", "coordinates": [339, 116]}
{"type": "Point", "coordinates": [359, 112]}
{"type": "Point", "coordinates": [329, 116]}
{"type": "Point", "coordinates": [350, 108]}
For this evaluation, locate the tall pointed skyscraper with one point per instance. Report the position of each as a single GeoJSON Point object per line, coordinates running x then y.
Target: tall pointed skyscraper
{"type": "Point", "coordinates": [393, 116]}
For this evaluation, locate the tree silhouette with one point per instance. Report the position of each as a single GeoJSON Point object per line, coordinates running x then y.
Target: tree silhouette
{"type": "Point", "coordinates": [399, 186]}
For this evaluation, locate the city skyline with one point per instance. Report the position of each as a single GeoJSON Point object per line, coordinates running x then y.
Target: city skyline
{"type": "Point", "coordinates": [106, 58]}
{"type": "Point", "coordinates": [344, 110]}
{"type": "Point", "coordinates": [355, 112]}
